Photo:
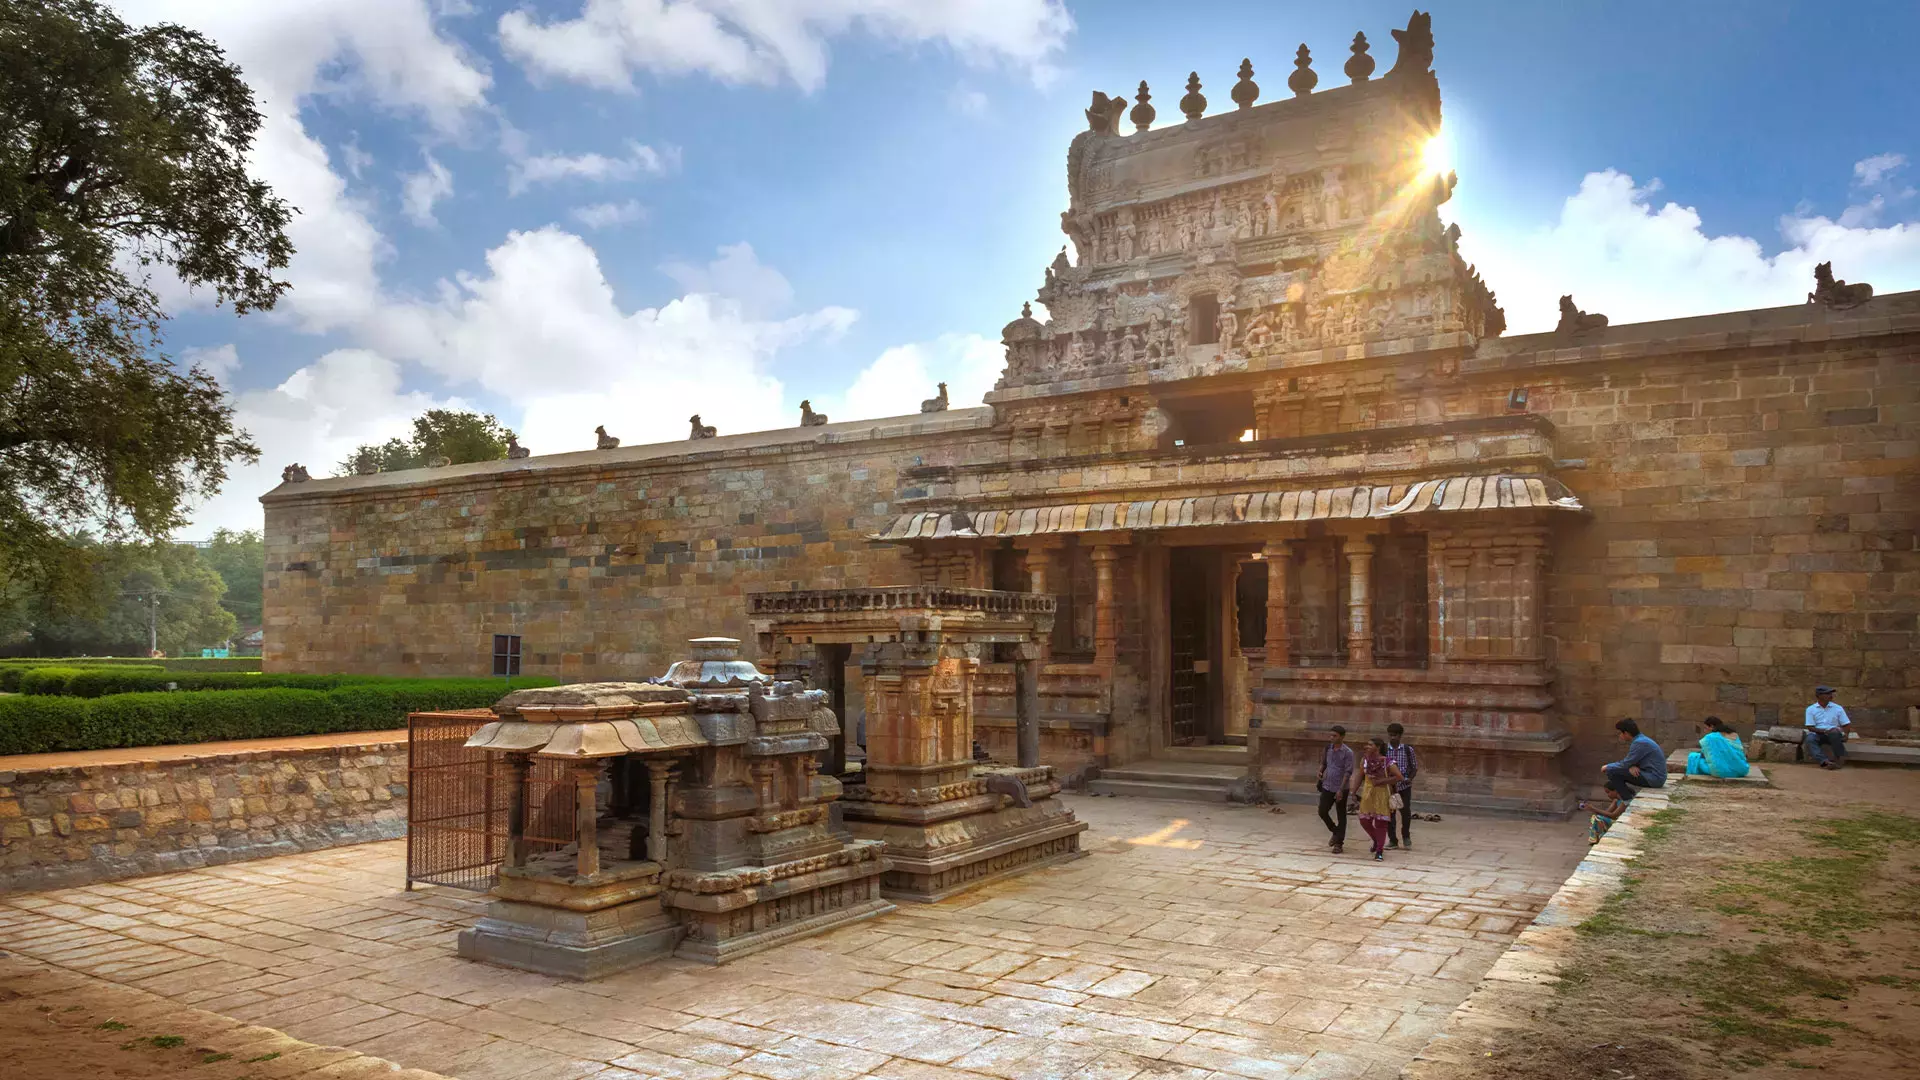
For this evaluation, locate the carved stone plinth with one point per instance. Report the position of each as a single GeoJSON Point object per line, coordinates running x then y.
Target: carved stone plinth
{"type": "Point", "coordinates": [946, 823]}
{"type": "Point", "coordinates": [735, 913]}
{"type": "Point", "coordinates": [544, 918]}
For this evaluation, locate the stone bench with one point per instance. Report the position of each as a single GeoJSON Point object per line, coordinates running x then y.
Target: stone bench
{"type": "Point", "coordinates": [1677, 766]}
{"type": "Point", "coordinates": [1785, 744]}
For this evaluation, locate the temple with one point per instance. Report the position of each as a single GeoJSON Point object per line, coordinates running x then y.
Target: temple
{"type": "Point", "coordinates": [1265, 445]}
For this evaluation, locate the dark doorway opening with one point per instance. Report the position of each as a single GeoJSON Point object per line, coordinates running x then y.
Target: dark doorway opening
{"type": "Point", "coordinates": [1193, 621]}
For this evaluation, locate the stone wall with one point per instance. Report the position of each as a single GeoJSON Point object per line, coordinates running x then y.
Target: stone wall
{"type": "Point", "coordinates": [604, 568]}
{"type": "Point", "coordinates": [78, 824]}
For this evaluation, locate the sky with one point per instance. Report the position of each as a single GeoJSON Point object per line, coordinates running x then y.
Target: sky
{"type": "Point", "coordinates": [571, 213]}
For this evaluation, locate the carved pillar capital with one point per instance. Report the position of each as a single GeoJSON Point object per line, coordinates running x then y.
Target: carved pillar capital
{"type": "Point", "coordinates": [1359, 552]}
{"type": "Point", "coordinates": [586, 786]}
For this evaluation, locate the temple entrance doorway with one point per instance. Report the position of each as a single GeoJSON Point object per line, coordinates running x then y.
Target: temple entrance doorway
{"type": "Point", "coordinates": [1196, 716]}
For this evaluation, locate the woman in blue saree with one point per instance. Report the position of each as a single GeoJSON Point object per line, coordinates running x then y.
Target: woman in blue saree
{"type": "Point", "coordinates": [1720, 753]}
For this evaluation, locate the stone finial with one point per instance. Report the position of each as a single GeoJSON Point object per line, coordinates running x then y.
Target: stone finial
{"type": "Point", "coordinates": [604, 441]}
{"type": "Point", "coordinates": [514, 450]}
{"type": "Point", "coordinates": [1194, 105]}
{"type": "Point", "coordinates": [1416, 46]}
{"type": "Point", "coordinates": [939, 404]}
{"type": "Point", "coordinates": [1143, 113]}
{"type": "Point", "coordinates": [809, 418]}
{"type": "Point", "coordinates": [1360, 65]}
{"type": "Point", "coordinates": [1837, 294]}
{"type": "Point", "coordinates": [1303, 80]}
{"type": "Point", "coordinates": [1246, 91]}
{"type": "Point", "coordinates": [295, 473]}
{"type": "Point", "coordinates": [700, 430]}
{"type": "Point", "coordinates": [1575, 321]}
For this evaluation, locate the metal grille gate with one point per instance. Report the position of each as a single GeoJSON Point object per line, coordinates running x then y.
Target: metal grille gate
{"type": "Point", "coordinates": [457, 800]}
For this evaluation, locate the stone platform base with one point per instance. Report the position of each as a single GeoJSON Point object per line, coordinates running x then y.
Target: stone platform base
{"type": "Point", "coordinates": [932, 862]}
{"type": "Point", "coordinates": [737, 913]}
{"type": "Point", "coordinates": [571, 944]}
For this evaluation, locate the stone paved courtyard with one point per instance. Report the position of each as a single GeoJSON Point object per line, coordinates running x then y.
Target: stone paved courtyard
{"type": "Point", "coordinates": [1194, 940]}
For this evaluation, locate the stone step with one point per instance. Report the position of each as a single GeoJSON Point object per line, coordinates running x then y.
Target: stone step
{"type": "Point", "coordinates": [1147, 789]}
{"type": "Point", "coordinates": [1156, 772]}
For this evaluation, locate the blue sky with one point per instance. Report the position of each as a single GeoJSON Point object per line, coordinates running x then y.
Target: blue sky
{"type": "Point", "coordinates": [570, 212]}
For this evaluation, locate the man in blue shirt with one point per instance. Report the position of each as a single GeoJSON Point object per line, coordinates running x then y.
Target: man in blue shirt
{"type": "Point", "coordinates": [1644, 766]}
{"type": "Point", "coordinates": [1400, 752]}
{"type": "Point", "coordinates": [1827, 725]}
{"type": "Point", "coordinates": [1336, 777]}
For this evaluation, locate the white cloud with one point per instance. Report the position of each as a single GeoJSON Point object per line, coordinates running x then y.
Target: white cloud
{"type": "Point", "coordinates": [356, 159]}
{"type": "Point", "coordinates": [597, 168]}
{"type": "Point", "coordinates": [419, 191]}
{"type": "Point", "coordinates": [1618, 252]}
{"type": "Point", "coordinates": [387, 51]}
{"type": "Point", "coordinates": [609, 215]}
{"type": "Point", "coordinates": [738, 275]}
{"type": "Point", "coordinates": [1873, 171]}
{"type": "Point", "coordinates": [316, 417]}
{"type": "Point", "coordinates": [221, 361]}
{"type": "Point", "coordinates": [967, 102]}
{"type": "Point", "coordinates": [640, 373]}
{"type": "Point", "coordinates": [770, 41]}
{"type": "Point", "coordinates": [902, 377]}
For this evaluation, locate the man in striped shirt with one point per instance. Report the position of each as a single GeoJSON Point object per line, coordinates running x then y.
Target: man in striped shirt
{"type": "Point", "coordinates": [1400, 752]}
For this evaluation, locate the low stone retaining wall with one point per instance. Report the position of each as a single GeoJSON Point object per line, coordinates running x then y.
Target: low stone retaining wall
{"type": "Point", "coordinates": [71, 822]}
{"type": "Point", "coordinates": [1509, 993]}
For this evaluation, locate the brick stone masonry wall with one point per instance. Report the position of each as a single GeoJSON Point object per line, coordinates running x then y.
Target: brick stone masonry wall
{"type": "Point", "coordinates": [73, 824]}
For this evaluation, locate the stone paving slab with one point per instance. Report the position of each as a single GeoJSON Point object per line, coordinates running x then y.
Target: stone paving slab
{"type": "Point", "coordinates": [1194, 941]}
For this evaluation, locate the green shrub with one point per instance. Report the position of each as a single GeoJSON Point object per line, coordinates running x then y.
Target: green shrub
{"type": "Point", "coordinates": [39, 725]}
{"type": "Point", "coordinates": [103, 681]}
{"type": "Point", "coordinates": [42, 723]}
{"type": "Point", "coordinates": [171, 663]}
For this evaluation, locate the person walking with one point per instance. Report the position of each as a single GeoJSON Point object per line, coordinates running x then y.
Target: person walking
{"type": "Point", "coordinates": [1378, 778]}
{"type": "Point", "coordinates": [1827, 725]}
{"type": "Point", "coordinates": [1400, 752]}
{"type": "Point", "coordinates": [1644, 766]}
{"type": "Point", "coordinates": [1336, 779]}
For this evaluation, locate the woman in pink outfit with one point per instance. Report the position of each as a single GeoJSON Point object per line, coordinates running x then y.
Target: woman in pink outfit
{"type": "Point", "coordinates": [1377, 778]}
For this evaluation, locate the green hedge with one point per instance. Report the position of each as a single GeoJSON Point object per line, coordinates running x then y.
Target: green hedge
{"type": "Point", "coordinates": [38, 724]}
{"type": "Point", "coordinates": [170, 663]}
{"type": "Point", "coordinates": [104, 681]}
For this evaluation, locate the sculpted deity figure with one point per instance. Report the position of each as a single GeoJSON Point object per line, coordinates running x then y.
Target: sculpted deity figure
{"type": "Point", "coordinates": [1269, 214]}
{"type": "Point", "coordinates": [1333, 196]}
{"type": "Point", "coordinates": [1128, 348]}
{"type": "Point", "coordinates": [1126, 241]}
{"type": "Point", "coordinates": [1259, 331]}
{"type": "Point", "coordinates": [1229, 325]}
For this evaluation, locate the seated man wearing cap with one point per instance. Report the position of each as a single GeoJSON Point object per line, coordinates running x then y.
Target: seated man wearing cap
{"type": "Point", "coordinates": [1826, 727]}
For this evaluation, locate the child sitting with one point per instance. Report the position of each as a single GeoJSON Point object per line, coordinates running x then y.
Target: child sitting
{"type": "Point", "coordinates": [1603, 816]}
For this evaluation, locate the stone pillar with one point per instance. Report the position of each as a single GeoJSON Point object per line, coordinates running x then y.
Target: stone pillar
{"type": "Point", "coordinates": [517, 768]}
{"type": "Point", "coordinates": [1359, 551]}
{"type": "Point", "coordinates": [586, 812]}
{"type": "Point", "coordinates": [1106, 612]}
{"type": "Point", "coordinates": [659, 775]}
{"type": "Point", "coordinates": [919, 703]}
{"type": "Point", "coordinates": [1279, 567]}
{"type": "Point", "coordinates": [1026, 693]}
{"type": "Point", "coordinates": [1037, 555]}
{"type": "Point", "coordinates": [1529, 559]}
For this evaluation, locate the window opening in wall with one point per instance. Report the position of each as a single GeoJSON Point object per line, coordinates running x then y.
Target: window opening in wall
{"type": "Point", "coordinates": [1250, 603]}
{"type": "Point", "coordinates": [1214, 420]}
{"type": "Point", "coordinates": [1073, 622]}
{"type": "Point", "coordinates": [1203, 319]}
{"type": "Point", "coordinates": [506, 654]}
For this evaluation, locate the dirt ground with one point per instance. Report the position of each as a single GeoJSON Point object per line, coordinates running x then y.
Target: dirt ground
{"type": "Point", "coordinates": [54, 1024]}
{"type": "Point", "coordinates": [1765, 932]}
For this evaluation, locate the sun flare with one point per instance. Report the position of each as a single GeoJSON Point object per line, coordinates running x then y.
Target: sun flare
{"type": "Point", "coordinates": [1436, 156]}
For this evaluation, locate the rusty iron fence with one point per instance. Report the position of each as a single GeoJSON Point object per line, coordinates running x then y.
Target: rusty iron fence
{"type": "Point", "coordinates": [457, 801]}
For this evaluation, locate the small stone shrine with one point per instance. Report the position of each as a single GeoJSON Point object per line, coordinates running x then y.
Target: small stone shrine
{"type": "Point", "coordinates": [948, 823]}
{"type": "Point", "coordinates": [740, 848]}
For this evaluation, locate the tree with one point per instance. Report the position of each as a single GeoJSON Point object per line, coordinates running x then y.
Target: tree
{"type": "Point", "coordinates": [122, 150]}
{"type": "Point", "coordinates": [136, 593]}
{"type": "Point", "coordinates": [241, 561]}
{"type": "Point", "coordinates": [459, 437]}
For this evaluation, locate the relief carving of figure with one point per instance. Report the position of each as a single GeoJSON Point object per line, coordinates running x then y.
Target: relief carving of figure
{"type": "Point", "coordinates": [1128, 348]}
{"type": "Point", "coordinates": [1333, 196]}
{"type": "Point", "coordinates": [1125, 242]}
{"type": "Point", "coordinates": [1229, 325]}
{"type": "Point", "coordinates": [1269, 214]}
{"type": "Point", "coordinates": [1259, 331]}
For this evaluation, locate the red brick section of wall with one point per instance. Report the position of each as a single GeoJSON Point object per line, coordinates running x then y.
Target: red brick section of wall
{"type": "Point", "coordinates": [71, 819]}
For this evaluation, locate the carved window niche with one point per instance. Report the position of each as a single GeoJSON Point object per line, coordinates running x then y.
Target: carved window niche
{"type": "Point", "coordinates": [1317, 604]}
{"type": "Point", "coordinates": [1203, 319]}
{"type": "Point", "coordinates": [1400, 609]}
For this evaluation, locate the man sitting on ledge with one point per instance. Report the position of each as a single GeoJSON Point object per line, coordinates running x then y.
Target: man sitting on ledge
{"type": "Point", "coordinates": [1827, 725]}
{"type": "Point", "coordinates": [1644, 766]}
